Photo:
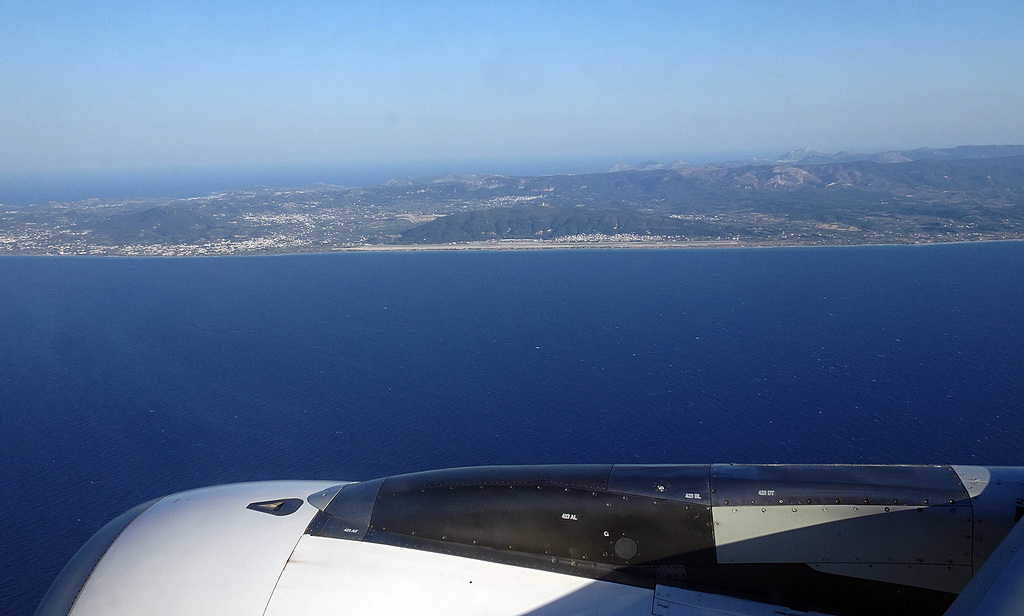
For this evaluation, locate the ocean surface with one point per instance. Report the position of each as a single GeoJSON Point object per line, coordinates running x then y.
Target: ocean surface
{"type": "Point", "coordinates": [123, 379]}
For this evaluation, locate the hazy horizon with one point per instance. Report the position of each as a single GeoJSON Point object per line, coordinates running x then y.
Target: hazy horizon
{"type": "Point", "coordinates": [103, 87]}
{"type": "Point", "coordinates": [195, 181]}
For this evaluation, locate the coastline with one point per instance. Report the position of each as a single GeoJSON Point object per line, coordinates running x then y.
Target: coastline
{"type": "Point", "coordinates": [496, 246]}
{"type": "Point", "coordinates": [502, 245]}
{"type": "Point", "coordinates": [506, 245]}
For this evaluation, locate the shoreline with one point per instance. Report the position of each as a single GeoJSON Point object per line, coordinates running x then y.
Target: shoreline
{"type": "Point", "coordinates": [508, 246]}
{"type": "Point", "coordinates": [504, 245]}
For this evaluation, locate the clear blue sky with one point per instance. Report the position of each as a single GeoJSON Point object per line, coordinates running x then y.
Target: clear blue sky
{"type": "Point", "coordinates": [114, 85]}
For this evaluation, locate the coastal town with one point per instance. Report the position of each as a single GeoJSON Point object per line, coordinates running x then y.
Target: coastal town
{"type": "Point", "coordinates": [849, 203]}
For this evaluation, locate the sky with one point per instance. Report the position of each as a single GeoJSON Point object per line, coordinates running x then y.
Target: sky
{"type": "Point", "coordinates": [89, 85]}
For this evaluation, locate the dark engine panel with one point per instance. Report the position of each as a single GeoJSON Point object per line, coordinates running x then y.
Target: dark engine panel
{"type": "Point", "coordinates": [764, 532]}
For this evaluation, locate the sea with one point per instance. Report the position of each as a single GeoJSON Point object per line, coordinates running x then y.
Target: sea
{"type": "Point", "coordinates": [123, 379]}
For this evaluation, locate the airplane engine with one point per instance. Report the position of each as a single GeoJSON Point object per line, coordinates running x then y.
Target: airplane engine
{"type": "Point", "coordinates": [545, 540]}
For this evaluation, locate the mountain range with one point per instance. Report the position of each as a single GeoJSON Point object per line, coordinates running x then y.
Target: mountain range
{"type": "Point", "coordinates": [804, 198]}
{"type": "Point", "coordinates": [808, 156]}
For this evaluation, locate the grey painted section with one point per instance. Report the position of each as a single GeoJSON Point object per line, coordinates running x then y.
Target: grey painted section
{"type": "Point", "coordinates": [843, 534]}
{"type": "Point", "coordinates": [974, 478]}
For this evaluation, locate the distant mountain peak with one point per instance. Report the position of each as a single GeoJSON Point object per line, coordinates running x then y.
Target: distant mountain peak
{"type": "Point", "coordinates": [795, 156]}
{"type": "Point", "coordinates": [810, 156]}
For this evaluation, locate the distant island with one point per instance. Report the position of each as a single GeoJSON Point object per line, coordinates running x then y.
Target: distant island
{"type": "Point", "coordinates": [806, 197]}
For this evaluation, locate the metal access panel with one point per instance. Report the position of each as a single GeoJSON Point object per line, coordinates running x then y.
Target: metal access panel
{"type": "Point", "coordinates": [836, 484]}
{"type": "Point", "coordinates": [843, 534]}
{"type": "Point", "coordinates": [997, 497]}
{"type": "Point", "coordinates": [552, 521]}
{"type": "Point", "coordinates": [678, 482]}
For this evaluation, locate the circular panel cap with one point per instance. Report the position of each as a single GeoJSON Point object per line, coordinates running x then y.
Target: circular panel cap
{"type": "Point", "coordinates": [625, 548]}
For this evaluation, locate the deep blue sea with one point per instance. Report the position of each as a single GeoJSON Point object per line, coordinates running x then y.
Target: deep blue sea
{"type": "Point", "coordinates": [122, 379]}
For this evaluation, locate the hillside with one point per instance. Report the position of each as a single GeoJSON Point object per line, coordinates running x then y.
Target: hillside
{"type": "Point", "coordinates": [944, 195]}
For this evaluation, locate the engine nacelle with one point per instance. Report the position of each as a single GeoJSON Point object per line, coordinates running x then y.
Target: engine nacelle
{"type": "Point", "coordinates": [554, 539]}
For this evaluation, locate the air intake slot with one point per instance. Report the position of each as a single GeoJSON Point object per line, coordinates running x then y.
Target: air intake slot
{"type": "Point", "coordinates": [282, 506]}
